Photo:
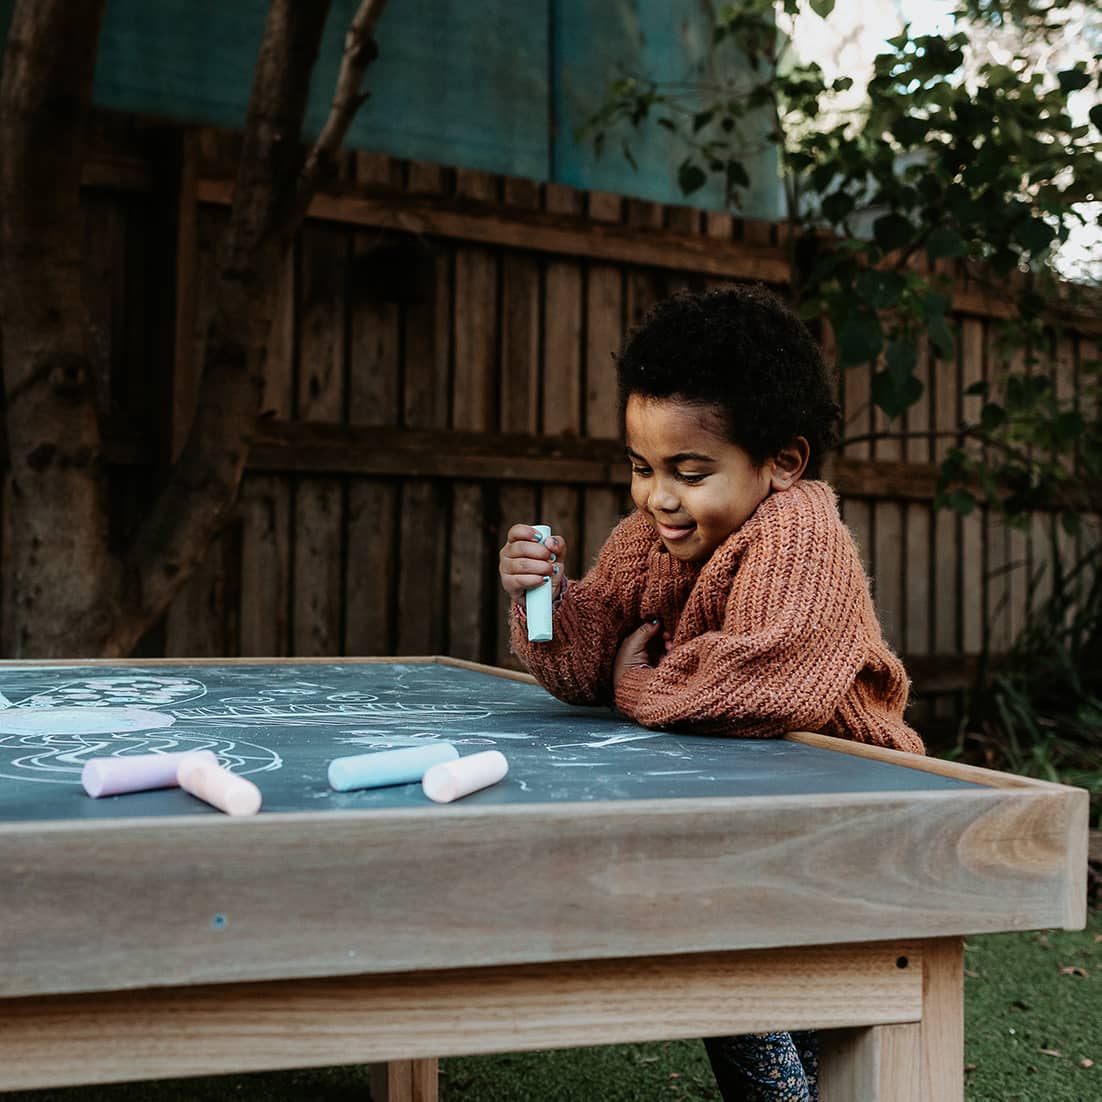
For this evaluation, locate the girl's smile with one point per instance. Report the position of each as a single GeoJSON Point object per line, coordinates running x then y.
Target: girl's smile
{"type": "Point", "coordinates": [695, 485]}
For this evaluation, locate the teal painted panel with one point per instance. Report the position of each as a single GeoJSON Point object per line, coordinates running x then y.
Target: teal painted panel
{"type": "Point", "coordinates": [448, 86]}
{"type": "Point", "coordinates": [190, 60]}
{"type": "Point", "coordinates": [594, 44]}
{"type": "Point", "coordinates": [455, 82]}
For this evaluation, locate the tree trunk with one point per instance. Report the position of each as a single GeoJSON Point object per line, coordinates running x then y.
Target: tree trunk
{"type": "Point", "coordinates": [67, 593]}
{"type": "Point", "coordinates": [61, 583]}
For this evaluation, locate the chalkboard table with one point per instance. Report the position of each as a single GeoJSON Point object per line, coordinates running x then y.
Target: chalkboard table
{"type": "Point", "coordinates": [619, 885]}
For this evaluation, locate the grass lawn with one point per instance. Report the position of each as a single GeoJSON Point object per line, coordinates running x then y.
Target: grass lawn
{"type": "Point", "coordinates": [1033, 1005]}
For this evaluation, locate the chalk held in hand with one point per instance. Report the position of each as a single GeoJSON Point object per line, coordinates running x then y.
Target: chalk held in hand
{"type": "Point", "coordinates": [405, 766]}
{"type": "Point", "coordinates": [136, 772]}
{"type": "Point", "coordinates": [217, 786]}
{"type": "Point", "coordinates": [537, 602]}
{"type": "Point", "coordinates": [452, 779]}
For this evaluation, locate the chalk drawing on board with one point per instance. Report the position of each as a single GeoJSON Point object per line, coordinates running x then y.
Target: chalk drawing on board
{"type": "Point", "coordinates": [329, 712]}
{"type": "Point", "coordinates": [59, 757]}
{"type": "Point", "coordinates": [48, 736]}
{"type": "Point", "coordinates": [80, 721]}
{"type": "Point", "coordinates": [106, 692]}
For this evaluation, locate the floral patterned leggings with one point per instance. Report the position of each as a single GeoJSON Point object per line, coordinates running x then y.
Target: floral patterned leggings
{"type": "Point", "coordinates": [766, 1067]}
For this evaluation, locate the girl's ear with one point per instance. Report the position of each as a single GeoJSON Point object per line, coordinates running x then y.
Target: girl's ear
{"type": "Point", "coordinates": [790, 463]}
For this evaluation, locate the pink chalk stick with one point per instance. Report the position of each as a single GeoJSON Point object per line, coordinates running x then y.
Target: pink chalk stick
{"type": "Point", "coordinates": [136, 773]}
{"type": "Point", "coordinates": [449, 780]}
{"type": "Point", "coordinates": [217, 786]}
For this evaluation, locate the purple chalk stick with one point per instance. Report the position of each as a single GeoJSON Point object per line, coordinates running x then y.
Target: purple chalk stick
{"type": "Point", "coordinates": [137, 773]}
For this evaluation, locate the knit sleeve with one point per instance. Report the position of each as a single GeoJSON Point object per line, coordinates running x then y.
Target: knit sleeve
{"type": "Point", "coordinates": [590, 620]}
{"type": "Point", "coordinates": [795, 635]}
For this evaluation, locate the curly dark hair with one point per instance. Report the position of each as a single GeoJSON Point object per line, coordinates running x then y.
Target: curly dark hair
{"type": "Point", "coordinates": [741, 350]}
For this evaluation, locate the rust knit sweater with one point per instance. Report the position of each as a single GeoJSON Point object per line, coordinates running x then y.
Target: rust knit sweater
{"type": "Point", "coordinates": [775, 632]}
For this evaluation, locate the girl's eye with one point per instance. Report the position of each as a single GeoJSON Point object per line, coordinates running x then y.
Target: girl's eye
{"type": "Point", "coordinates": [692, 479]}
{"type": "Point", "coordinates": [641, 471]}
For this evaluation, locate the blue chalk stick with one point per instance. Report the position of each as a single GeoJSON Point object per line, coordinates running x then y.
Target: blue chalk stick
{"type": "Point", "coordinates": [406, 766]}
{"type": "Point", "coordinates": [537, 602]}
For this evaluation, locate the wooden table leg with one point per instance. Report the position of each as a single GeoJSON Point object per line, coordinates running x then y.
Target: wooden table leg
{"type": "Point", "coordinates": [404, 1081]}
{"type": "Point", "coordinates": [923, 1062]}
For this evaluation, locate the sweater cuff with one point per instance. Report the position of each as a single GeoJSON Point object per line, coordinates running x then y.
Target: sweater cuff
{"type": "Point", "coordinates": [630, 688]}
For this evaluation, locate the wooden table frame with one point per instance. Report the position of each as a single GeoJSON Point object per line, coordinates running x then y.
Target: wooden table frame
{"type": "Point", "coordinates": [312, 939]}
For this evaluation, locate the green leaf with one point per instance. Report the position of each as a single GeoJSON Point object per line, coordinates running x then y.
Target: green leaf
{"type": "Point", "coordinates": [910, 130]}
{"type": "Point", "coordinates": [945, 242]}
{"type": "Point", "coordinates": [941, 336]}
{"type": "Point", "coordinates": [961, 501]}
{"type": "Point", "coordinates": [1095, 115]}
{"type": "Point", "coordinates": [690, 177]}
{"type": "Point", "coordinates": [822, 8]}
{"type": "Point", "coordinates": [896, 389]}
{"type": "Point", "coordinates": [992, 417]}
{"type": "Point", "coordinates": [736, 175]}
{"type": "Point", "coordinates": [892, 231]}
{"type": "Point", "coordinates": [837, 205]}
{"type": "Point", "coordinates": [1071, 80]}
{"type": "Point", "coordinates": [901, 357]}
{"type": "Point", "coordinates": [880, 290]}
{"type": "Point", "coordinates": [1034, 234]}
{"type": "Point", "coordinates": [859, 340]}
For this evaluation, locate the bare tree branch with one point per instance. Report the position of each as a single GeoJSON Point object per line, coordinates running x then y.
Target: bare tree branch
{"type": "Point", "coordinates": [359, 51]}
{"type": "Point", "coordinates": [271, 197]}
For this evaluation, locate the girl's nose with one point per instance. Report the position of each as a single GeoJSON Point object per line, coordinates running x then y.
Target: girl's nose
{"type": "Point", "coordinates": [663, 497]}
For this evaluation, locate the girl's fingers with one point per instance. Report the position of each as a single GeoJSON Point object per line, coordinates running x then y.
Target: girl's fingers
{"type": "Point", "coordinates": [530, 566]}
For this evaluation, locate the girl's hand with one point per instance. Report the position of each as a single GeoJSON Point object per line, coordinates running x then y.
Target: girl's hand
{"type": "Point", "coordinates": [636, 650]}
{"type": "Point", "coordinates": [524, 562]}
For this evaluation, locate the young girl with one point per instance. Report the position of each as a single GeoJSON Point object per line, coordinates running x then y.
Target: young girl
{"type": "Point", "coordinates": [732, 601]}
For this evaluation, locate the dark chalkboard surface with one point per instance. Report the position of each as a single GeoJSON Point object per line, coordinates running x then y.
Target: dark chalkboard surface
{"type": "Point", "coordinates": [281, 725]}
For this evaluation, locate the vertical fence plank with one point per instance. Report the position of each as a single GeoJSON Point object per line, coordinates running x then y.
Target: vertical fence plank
{"type": "Point", "coordinates": [972, 559]}
{"type": "Point", "coordinates": [1064, 379]}
{"type": "Point", "coordinates": [373, 385]}
{"type": "Point", "coordinates": [474, 408]}
{"type": "Point", "coordinates": [562, 375]}
{"type": "Point", "coordinates": [604, 310]}
{"type": "Point", "coordinates": [888, 539]}
{"type": "Point", "coordinates": [918, 627]}
{"type": "Point", "coordinates": [643, 286]}
{"type": "Point", "coordinates": [265, 512]}
{"type": "Point", "coordinates": [520, 326]}
{"type": "Point", "coordinates": [1042, 537]}
{"type": "Point", "coordinates": [318, 507]}
{"type": "Point", "coordinates": [855, 398]}
{"type": "Point", "coordinates": [424, 509]}
{"type": "Point", "coordinates": [999, 563]}
{"type": "Point", "coordinates": [195, 622]}
{"type": "Point", "coordinates": [265, 507]}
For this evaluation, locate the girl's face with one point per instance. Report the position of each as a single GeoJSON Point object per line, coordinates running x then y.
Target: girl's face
{"type": "Point", "coordinates": [694, 485]}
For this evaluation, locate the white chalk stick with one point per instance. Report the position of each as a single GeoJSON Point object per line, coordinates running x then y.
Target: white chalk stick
{"type": "Point", "coordinates": [218, 787]}
{"type": "Point", "coordinates": [136, 772]}
{"type": "Point", "coordinates": [405, 766]}
{"type": "Point", "coordinates": [451, 779]}
{"type": "Point", "coordinates": [537, 602]}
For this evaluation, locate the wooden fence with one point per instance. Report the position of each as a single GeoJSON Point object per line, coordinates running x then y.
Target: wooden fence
{"type": "Point", "coordinates": [441, 367]}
